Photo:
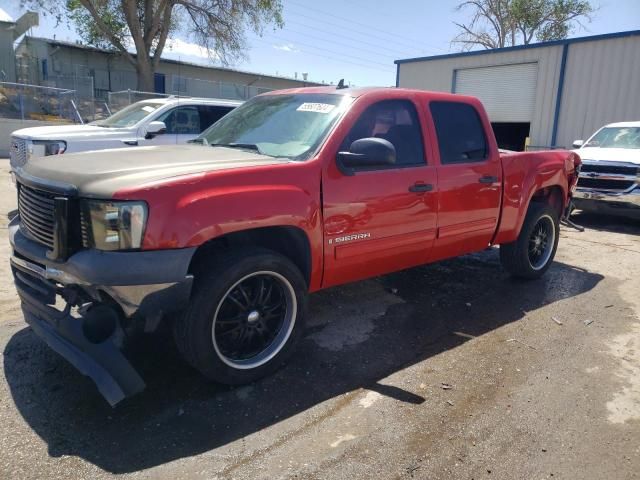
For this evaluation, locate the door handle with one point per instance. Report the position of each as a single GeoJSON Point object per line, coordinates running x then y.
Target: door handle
{"type": "Point", "coordinates": [488, 179]}
{"type": "Point", "coordinates": [421, 187]}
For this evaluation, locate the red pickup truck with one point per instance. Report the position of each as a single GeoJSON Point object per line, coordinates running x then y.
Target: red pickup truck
{"type": "Point", "coordinates": [292, 192]}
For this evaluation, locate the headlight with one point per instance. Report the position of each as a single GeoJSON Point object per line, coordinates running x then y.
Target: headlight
{"type": "Point", "coordinates": [42, 148]}
{"type": "Point", "coordinates": [113, 225]}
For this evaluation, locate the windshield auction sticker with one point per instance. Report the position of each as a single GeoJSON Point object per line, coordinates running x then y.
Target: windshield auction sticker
{"type": "Point", "coordinates": [316, 107]}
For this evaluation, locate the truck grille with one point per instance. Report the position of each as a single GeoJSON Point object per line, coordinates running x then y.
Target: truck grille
{"type": "Point", "coordinates": [605, 184]}
{"type": "Point", "coordinates": [611, 169]}
{"type": "Point", "coordinates": [18, 152]}
{"type": "Point", "coordinates": [37, 216]}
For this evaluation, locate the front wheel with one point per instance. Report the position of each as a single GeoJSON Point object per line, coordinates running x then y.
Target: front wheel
{"type": "Point", "coordinates": [533, 252]}
{"type": "Point", "coordinates": [245, 316]}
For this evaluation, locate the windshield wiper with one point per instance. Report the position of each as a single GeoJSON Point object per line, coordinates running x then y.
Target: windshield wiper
{"type": "Point", "coordinates": [202, 141]}
{"type": "Point", "coordinates": [245, 146]}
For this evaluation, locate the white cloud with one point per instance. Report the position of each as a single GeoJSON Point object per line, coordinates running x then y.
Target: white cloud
{"type": "Point", "coordinates": [176, 46]}
{"type": "Point", "coordinates": [287, 47]}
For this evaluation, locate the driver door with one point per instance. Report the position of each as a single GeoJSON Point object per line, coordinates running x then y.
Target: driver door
{"type": "Point", "coordinates": [383, 219]}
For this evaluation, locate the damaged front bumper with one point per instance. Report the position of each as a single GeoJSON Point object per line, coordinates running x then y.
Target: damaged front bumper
{"type": "Point", "coordinates": [625, 204]}
{"type": "Point", "coordinates": [70, 305]}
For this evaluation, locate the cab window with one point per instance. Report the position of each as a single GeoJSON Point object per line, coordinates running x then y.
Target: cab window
{"type": "Point", "coordinates": [395, 121]}
{"type": "Point", "coordinates": [460, 133]}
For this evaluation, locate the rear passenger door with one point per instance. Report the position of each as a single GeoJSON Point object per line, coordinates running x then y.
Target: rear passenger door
{"type": "Point", "coordinates": [381, 219]}
{"type": "Point", "coordinates": [469, 180]}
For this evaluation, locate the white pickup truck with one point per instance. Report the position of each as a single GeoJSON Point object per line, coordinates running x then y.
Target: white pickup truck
{"type": "Point", "coordinates": [610, 174]}
{"type": "Point", "coordinates": [163, 121]}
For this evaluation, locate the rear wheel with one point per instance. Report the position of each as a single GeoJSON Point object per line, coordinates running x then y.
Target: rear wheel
{"type": "Point", "coordinates": [245, 317]}
{"type": "Point", "coordinates": [533, 252]}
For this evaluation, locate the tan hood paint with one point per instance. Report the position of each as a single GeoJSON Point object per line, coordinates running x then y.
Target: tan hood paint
{"type": "Point", "coordinates": [100, 174]}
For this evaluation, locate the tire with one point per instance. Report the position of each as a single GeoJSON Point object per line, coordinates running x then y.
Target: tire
{"type": "Point", "coordinates": [240, 301]}
{"type": "Point", "coordinates": [532, 253]}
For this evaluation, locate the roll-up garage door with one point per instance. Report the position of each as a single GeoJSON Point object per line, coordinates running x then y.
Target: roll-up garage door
{"type": "Point", "coordinates": [508, 92]}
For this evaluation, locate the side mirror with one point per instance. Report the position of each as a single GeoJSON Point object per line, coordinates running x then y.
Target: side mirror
{"type": "Point", "coordinates": [367, 153]}
{"type": "Point", "coordinates": [578, 143]}
{"type": "Point", "coordinates": [155, 128]}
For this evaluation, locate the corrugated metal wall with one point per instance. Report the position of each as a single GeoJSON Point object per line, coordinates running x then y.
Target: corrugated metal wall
{"type": "Point", "coordinates": [602, 85]}
{"type": "Point", "coordinates": [437, 75]}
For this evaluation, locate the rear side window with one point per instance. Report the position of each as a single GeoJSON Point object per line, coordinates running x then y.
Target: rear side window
{"type": "Point", "coordinates": [210, 114]}
{"type": "Point", "coordinates": [461, 137]}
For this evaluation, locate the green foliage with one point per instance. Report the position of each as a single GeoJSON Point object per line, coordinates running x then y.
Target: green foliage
{"type": "Point", "coordinates": [502, 23]}
{"type": "Point", "coordinates": [146, 25]}
{"type": "Point", "coordinates": [112, 15]}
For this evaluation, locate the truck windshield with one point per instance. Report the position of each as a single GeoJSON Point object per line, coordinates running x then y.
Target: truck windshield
{"type": "Point", "coordinates": [129, 116]}
{"type": "Point", "coordinates": [616, 137]}
{"type": "Point", "coordinates": [289, 125]}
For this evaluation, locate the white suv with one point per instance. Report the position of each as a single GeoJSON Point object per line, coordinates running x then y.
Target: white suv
{"type": "Point", "coordinates": [149, 122]}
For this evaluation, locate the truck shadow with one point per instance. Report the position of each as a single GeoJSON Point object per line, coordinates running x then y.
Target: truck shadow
{"type": "Point", "coordinates": [607, 223]}
{"type": "Point", "coordinates": [359, 334]}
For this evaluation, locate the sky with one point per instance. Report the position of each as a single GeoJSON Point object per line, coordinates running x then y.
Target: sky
{"type": "Point", "coordinates": [357, 40]}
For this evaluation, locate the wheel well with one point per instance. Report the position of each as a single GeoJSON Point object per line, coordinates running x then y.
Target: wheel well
{"type": "Point", "coordinates": [290, 242]}
{"type": "Point", "coordinates": [551, 196]}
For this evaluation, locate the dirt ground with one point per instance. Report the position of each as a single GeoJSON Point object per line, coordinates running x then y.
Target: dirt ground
{"type": "Point", "coordinates": [447, 371]}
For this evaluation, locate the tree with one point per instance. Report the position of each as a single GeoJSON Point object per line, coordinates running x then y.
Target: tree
{"type": "Point", "coordinates": [503, 23]}
{"type": "Point", "coordinates": [217, 25]}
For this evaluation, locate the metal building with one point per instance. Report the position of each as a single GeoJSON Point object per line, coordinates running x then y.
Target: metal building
{"type": "Point", "coordinates": [551, 92]}
{"type": "Point", "coordinates": [10, 30]}
{"type": "Point", "coordinates": [94, 71]}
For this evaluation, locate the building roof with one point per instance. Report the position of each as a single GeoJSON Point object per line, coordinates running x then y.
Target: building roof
{"type": "Point", "coordinates": [68, 44]}
{"type": "Point", "coordinates": [552, 43]}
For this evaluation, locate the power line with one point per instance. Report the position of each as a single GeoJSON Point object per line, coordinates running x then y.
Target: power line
{"type": "Point", "coordinates": [395, 51]}
{"type": "Point", "coordinates": [337, 42]}
{"type": "Point", "coordinates": [333, 58]}
{"type": "Point", "coordinates": [411, 41]}
{"type": "Point", "coordinates": [334, 52]}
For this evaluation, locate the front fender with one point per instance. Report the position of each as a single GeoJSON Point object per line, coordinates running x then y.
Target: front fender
{"type": "Point", "coordinates": [191, 210]}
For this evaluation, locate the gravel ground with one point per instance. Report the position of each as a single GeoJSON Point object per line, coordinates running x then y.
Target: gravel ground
{"type": "Point", "coordinates": [445, 371]}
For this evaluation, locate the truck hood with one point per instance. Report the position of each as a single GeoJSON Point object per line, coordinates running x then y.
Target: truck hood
{"type": "Point", "coordinates": [99, 174]}
{"type": "Point", "coordinates": [597, 154]}
{"type": "Point", "coordinates": [69, 132]}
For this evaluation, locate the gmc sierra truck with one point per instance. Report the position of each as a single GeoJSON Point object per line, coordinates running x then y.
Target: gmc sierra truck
{"type": "Point", "coordinates": [610, 174]}
{"type": "Point", "coordinates": [290, 193]}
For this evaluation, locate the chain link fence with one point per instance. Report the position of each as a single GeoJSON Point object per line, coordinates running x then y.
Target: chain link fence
{"type": "Point", "coordinates": [195, 87]}
{"type": "Point", "coordinates": [73, 98]}
{"type": "Point", "coordinates": [186, 87]}
{"type": "Point", "coordinates": [36, 102]}
{"type": "Point", "coordinates": [33, 102]}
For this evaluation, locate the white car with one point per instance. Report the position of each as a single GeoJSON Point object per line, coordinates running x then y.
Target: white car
{"type": "Point", "coordinates": [149, 122]}
{"type": "Point", "coordinates": [610, 173]}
